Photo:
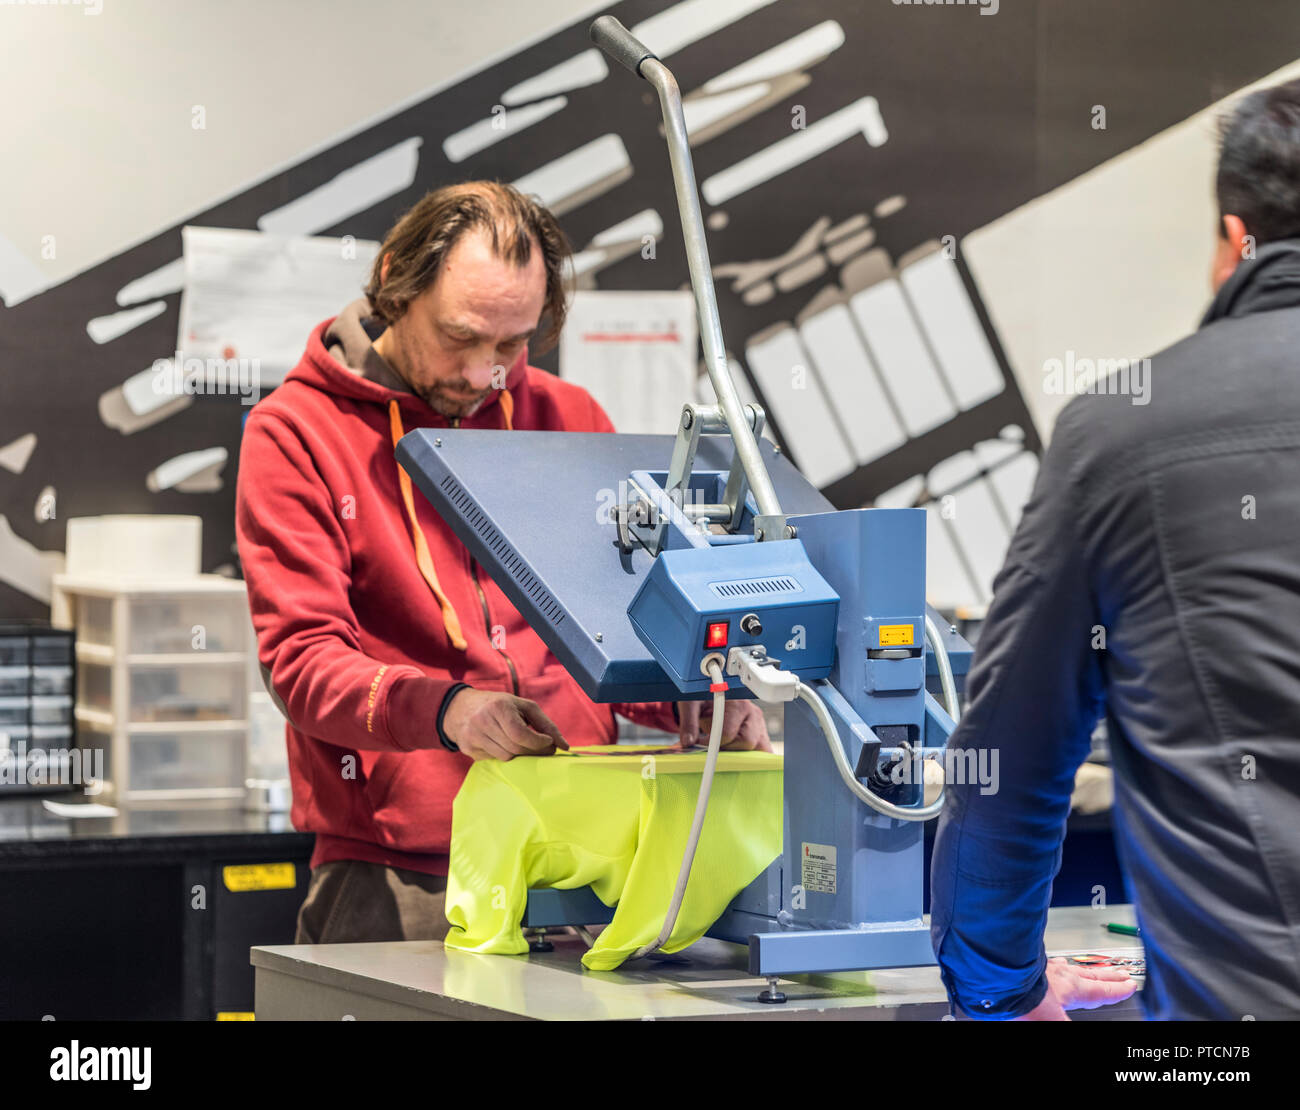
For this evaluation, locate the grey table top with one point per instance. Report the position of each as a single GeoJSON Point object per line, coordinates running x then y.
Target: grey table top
{"type": "Point", "coordinates": [708, 980]}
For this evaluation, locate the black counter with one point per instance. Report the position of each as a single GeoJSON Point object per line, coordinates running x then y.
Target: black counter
{"type": "Point", "coordinates": [134, 916]}
{"type": "Point", "coordinates": [29, 831]}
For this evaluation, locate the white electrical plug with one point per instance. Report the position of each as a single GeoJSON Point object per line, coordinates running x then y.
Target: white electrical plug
{"type": "Point", "coordinates": [761, 675]}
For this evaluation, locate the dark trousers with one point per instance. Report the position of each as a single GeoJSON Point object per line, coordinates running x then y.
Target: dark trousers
{"type": "Point", "coordinates": [349, 901]}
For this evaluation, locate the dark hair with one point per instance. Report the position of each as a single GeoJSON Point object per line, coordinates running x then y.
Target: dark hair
{"type": "Point", "coordinates": [421, 239]}
{"type": "Point", "coordinates": [1259, 163]}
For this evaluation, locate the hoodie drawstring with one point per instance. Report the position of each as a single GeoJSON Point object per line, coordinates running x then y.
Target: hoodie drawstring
{"type": "Point", "coordinates": [423, 559]}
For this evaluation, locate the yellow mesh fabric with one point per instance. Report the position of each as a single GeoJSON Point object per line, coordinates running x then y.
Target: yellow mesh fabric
{"type": "Point", "coordinates": [616, 822]}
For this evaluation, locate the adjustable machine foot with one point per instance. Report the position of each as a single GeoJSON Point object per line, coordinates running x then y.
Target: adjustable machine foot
{"type": "Point", "coordinates": [537, 941]}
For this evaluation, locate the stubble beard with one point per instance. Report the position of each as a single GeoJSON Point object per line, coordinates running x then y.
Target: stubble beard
{"type": "Point", "coordinates": [438, 398]}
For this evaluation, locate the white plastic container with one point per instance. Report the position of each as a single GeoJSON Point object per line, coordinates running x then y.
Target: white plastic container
{"type": "Point", "coordinates": [174, 762]}
{"type": "Point", "coordinates": [141, 547]}
{"type": "Point", "coordinates": [162, 685]}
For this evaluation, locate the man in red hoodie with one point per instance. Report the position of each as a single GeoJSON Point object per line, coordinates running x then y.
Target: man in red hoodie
{"type": "Point", "coordinates": [395, 658]}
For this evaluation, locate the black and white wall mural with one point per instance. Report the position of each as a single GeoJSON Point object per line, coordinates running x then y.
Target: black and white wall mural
{"type": "Point", "coordinates": [847, 151]}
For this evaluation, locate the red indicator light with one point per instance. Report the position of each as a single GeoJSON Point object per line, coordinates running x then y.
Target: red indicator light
{"type": "Point", "coordinates": [717, 634]}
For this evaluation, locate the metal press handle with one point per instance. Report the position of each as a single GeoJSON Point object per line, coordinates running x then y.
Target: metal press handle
{"type": "Point", "coordinates": [621, 45]}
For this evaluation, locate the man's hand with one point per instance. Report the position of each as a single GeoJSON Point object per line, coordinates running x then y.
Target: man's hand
{"type": "Point", "coordinates": [486, 724]}
{"type": "Point", "coordinates": [743, 727]}
{"type": "Point", "coordinates": [1071, 987]}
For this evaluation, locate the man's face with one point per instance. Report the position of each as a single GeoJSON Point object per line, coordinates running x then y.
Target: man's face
{"type": "Point", "coordinates": [461, 336]}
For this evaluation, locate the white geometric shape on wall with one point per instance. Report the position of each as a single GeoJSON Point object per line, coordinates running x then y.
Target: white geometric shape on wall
{"type": "Point", "coordinates": [862, 117]}
{"type": "Point", "coordinates": [901, 354]}
{"type": "Point", "coordinates": [845, 367]}
{"type": "Point", "coordinates": [15, 455]}
{"type": "Point", "coordinates": [192, 472]}
{"type": "Point", "coordinates": [580, 175]}
{"type": "Point", "coordinates": [691, 20]}
{"type": "Point", "coordinates": [484, 133]}
{"type": "Point", "coordinates": [354, 190]}
{"type": "Point", "coordinates": [788, 379]}
{"type": "Point", "coordinates": [104, 329]}
{"type": "Point", "coordinates": [578, 72]}
{"type": "Point", "coordinates": [960, 344]}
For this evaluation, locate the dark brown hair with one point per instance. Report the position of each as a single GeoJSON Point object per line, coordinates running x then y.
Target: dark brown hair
{"type": "Point", "coordinates": [420, 240]}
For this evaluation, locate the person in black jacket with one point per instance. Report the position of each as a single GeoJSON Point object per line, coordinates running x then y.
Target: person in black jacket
{"type": "Point", "coordinates": [1155, 577]}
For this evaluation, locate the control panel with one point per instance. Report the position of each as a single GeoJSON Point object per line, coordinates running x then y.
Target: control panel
{"type": "Point", "coordinates": [704, 600]}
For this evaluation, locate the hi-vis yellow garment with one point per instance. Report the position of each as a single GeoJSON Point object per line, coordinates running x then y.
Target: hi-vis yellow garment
{"type": "Point", "coordinates": [618, 823]}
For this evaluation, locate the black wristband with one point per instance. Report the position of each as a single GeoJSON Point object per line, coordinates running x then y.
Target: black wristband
{"type": "Point", "coordinates": [442, 712]}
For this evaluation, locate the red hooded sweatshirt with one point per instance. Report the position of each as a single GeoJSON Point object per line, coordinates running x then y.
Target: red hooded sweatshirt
{"type": "Point", "coordinates": [357, 646]}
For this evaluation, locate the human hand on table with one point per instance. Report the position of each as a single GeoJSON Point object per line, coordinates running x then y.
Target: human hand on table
{"type": "Point", "coordinates": [486, 724]}
{"type": "Point", "coordinates": [743, 727]}
{"type": "Point", "coordinates": [1071, 987]}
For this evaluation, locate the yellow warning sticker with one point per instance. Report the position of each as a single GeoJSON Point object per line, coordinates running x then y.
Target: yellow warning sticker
{"type": "Point", "coordinates": [235, 1015]}
{"type": "Point", "coordinates": [259, 876]}
{"type": "Point", "coordinates": [897, 635]}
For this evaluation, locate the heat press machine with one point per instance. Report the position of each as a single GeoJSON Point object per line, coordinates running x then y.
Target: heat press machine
{"type": "Point", "coordinates": [702, 564]}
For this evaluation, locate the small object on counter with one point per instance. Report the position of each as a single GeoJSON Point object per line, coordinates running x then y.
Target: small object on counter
{"type": "Point", "coordinates": [1135, 967]}
{"type": "Point", "coordinates": [1127, 930]}
{"type": "Point", "coordinates": [79, 809]}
